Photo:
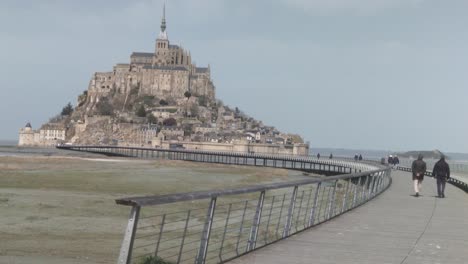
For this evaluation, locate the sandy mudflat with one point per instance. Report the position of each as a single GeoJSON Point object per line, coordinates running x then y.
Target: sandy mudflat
{"type": "Point", "coordinates": [61, 209]}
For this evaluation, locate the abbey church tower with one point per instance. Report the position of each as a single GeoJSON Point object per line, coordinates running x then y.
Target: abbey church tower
{"type": "Point", "coordinates": [162, 44]}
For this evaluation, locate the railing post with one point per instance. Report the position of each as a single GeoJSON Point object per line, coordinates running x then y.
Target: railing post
{"type": "Point", "coordinates": [269, 218]}
{"type": "Point", "coordinates": [224, 234]}
{"type": "Point", "coordinates": [256, 223]}
{"type": "Point", "coordinates": [345, 198]}
{"type": "Point", "coordinates": [241, 228]}
{"type": "Point", "coordinates": [356, 186]}
{"type": "Point", "coordinates": [287, 226]}
{"type": "Point", "coordinates": [331, 204]}
{"type": "Point", "coordinates": [183, 237]}
{"type": "Point", "coordinates": [312, 210]}
{"type": "Point", "coordinates": [125, 255]}
{"type": "Point", "coordinates": [161, 230]}
{"type": "Point", "coordinates": [280, 215]}
{"type": "Point", "coordinates": [363, 193]}
{"type": "Point", "coordinates": [205, 238]}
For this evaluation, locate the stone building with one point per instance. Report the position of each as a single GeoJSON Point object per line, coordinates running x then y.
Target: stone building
{"type": "Point", "coordinates": [48, 135]}
{"type": "Point", "coordinates": [168, 72]}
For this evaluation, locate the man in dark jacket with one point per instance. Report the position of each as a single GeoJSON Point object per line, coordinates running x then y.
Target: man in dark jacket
{"type": "Point", "coordinates": [419, 168]}
{"type": "Point", "coordinates": [441, 172]}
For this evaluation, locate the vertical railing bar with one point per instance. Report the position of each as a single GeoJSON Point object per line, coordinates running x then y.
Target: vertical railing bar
{"type": "Point", "coordinates": [299, 210]}
{"type": "Point", "coordinates": [287, 226]}
{"type": "Point", "coordinates": [256, 223]}
{"type": "Point", "coordinates": [331, 210]}
{"type": "Point", "coordinates": [183, 237]}
{"type": "Point", "coordinates": [269, 217]}
{"type": "Point", "coordinates": [125, 255]}
{"type": "Point", "coordinates": [279, 218]}
{"type": "Point", "coordinates": [307, 208]}
{"type": "Point", "coordinates": [314, 206]}
{"type": "Point", "coordinates": [205, 239]}
{"type": "Point", "coordinates": [224, 234]}
{"type": "Point", "coordinates": [241, 228]}
{"type": "Point", "coordinates": [345, 198]}
{"type": "Point", "coordinates": [161, 229]}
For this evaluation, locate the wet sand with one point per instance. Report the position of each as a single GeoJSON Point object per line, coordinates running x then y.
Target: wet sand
{"type": "Point", "coordinates": [61, 209]}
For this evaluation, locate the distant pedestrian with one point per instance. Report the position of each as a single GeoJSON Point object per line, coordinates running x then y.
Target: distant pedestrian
{"type": "Point", "coordinates": [318, 155]}
{"type": "Point", "coordinates": [390, 160]}
{"type": "Point", "coordinates": [356, 157]}
{"type": "Point", "coordinates": [396, 161]}
{"type": "Point", "coordinates": [441, 172]}
{"type": "Point", "coordinates": [419, 168]}
{"type": "Point", "coordinates": [360, 157]}
{"type": "Point", "coordinates": [331, 156]}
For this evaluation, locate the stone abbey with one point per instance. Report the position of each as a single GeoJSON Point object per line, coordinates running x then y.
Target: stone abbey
{"type": "Point", "coordinates": [166, 73]}
{"type": "Point", "coordinates": [159, 99]}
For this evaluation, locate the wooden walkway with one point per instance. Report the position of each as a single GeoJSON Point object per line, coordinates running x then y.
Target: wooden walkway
{"type": "Point", "coordinates": [396, 227]}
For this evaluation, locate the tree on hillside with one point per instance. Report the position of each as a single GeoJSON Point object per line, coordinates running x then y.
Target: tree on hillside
{"type": "Point", "coordinates": [152, 119]}
{"type": "Point", "coordinates": [104, 107]}
{"type": "Point", "coordinates": [163, 102]}
{"type": "Point", "coordinates": [67, 110]}
{"type": "Point", "coordinates": [141, 111]}
{"type": "Point", "coordinates": [202, 101]}
{"type": "Point", "coordinates": [169, 122]}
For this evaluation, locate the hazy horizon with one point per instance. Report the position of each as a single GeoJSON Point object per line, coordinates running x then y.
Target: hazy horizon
{"type": "Point", "coordinates": [355, 74]}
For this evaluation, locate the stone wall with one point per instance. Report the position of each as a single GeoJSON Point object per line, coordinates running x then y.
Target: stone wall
{"type": "Point", "coordinates": [296, 149]}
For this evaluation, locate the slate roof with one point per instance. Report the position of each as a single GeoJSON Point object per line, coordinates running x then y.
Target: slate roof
{"type": "Point", "coordinates": [142, 54]}
{"type": "Point", "coordinates": [174, 68]}
{"type": "Point", "coordinates": [201, 70]}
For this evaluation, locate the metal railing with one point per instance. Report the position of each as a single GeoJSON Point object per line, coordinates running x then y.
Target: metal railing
{"type": "Point", "coordinates": [219, 225]}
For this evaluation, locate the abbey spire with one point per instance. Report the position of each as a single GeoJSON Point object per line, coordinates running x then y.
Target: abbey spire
{"type": "Point", "coordinates": [162, 33]}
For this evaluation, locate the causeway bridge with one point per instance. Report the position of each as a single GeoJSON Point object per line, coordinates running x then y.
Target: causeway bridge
{"type": "Point", "coordinates": [362, 212]}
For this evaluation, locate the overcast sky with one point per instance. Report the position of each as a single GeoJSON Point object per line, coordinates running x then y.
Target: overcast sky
{"type": "Point", "coordinates": [369, 74]}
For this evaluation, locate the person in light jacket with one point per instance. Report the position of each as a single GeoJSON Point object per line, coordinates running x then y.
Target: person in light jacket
{"type": "Point", "coordinates": [419, 169]}
{"type": "Point", "coordinates": [441, 172]}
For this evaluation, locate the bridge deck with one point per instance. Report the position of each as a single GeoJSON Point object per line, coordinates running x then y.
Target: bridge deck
{"type": "Point", "coordinates": [396, 227]}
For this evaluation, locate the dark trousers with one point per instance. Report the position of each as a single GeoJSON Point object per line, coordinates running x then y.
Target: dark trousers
{"type": "Point", "coordinates": [441, 186]}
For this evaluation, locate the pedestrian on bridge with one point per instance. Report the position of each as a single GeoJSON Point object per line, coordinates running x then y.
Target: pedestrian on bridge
{"type": "Point", "coordinates": [441, 172]}
{"type": "Point", "coordinates": [318, 155]}
{"type": "Point", "coordinates": [331, 156]}
{"type": "Point", "coordinates": [419, 169]}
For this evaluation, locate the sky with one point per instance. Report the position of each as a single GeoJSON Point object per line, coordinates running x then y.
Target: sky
{"type": "Point", "coordinates": [365, 74]}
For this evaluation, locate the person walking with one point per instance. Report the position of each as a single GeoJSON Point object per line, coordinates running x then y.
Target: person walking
{"type": "Point", "coordinates": [331, 156]}
{"type": "Point", "coordinates": [419, 168]}
{"type": "Point", "coordinates": [318, 155]}
{"type": "Point", "coordinates": [441, 172]}
{"type": "Point", "coordinates": [360, 157]}
{"type": "Point", "coordinates": [390, 161]}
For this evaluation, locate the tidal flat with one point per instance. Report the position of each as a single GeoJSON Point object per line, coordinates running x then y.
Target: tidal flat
{"type": "Point", "coordinates": [61, 208]}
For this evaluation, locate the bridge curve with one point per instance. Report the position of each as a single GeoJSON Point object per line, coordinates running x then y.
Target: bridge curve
{"type": "Point", "coordinates": [396, 227]}
{"type": "Point", "coordinates": [234, 222]}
